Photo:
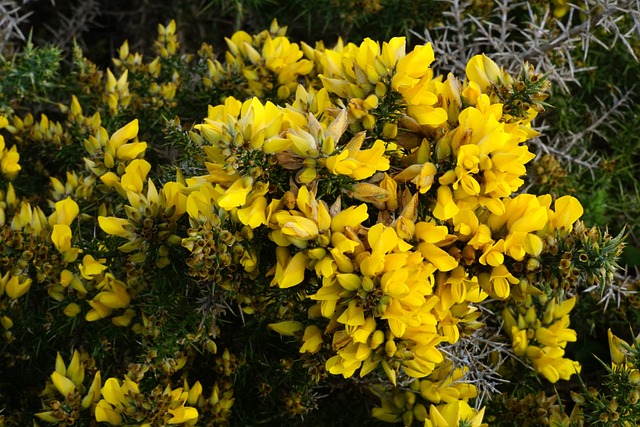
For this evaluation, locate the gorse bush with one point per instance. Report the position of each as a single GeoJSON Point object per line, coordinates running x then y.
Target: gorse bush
{"type": "Point", "coordinates": [268, 235]}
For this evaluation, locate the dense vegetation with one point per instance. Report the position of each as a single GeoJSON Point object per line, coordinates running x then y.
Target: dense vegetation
{"type": "Point", "coordinates": [411, 212]}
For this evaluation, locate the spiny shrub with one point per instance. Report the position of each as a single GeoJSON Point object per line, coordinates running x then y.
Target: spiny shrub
{"type": "Point", "coordinates": [260, 238]}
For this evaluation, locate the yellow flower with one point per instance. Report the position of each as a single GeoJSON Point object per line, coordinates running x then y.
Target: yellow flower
{"type": "Point", "coordinates": [13, 287]}
{"type": "Point", "coordinates": [61, 237]}
{"type": "Point", "coordinates": [567, 211]}
{"type": "Point", "coordinates": [337, 365]}
{"type": "Point", "coordinates": [289, 271]}
{"type": "Point", "coordinates": [135, 176]}
{"type": "Point", "coordinates": [356, 163]}
{"type": "Point", "coordinates": [618, 348]}
{"type": "Point", "coordinates": [195, 392]}
{"type": "Point", "coordinates": [65, 212]}
{"type": "Point", "coordinates": [200, 203]}
{"type": "Point", "coordinates": [114, 226]}
{"type": "Point", "coordinates": [93, 395]}
{"type": "Point", "coordinates": [351, 217]}
{"type": "Point", "coordinates": [254, 215]}
{"type": "Point", "coordinates": [493, 253]}
{"type": "Point", "coordinates": [115, 297]}
{"type": "Point", "coordinates": [312, 340]}
{"type": "Point", "coordinates": [413, 66]}
{"type": "Point", "coordinates": [90, 267]}
{"type": "Point", "coordinates": [446, 207]}
{"type": "Point", "coordinates": [75, 370]}
{"type": "Point", "coordinates": [249, 261]}
{"type": "Point", "coordinates": [353, 315]}
{"type": "Point", "coordinates": [432, 236]}
{"type": "Point", "coordinates": [124, 320]}
{"type": "Point", "coordinates": [236, 195]}
{"type": "Point", "coordinates": [121, 136]}
{"type": "Point", "coordinates": [287, 327]}
{"type": "Point", "coordinates": [456, 413]}
{"type": "Point", "coordinates": [500, 280]}
{"type": "Point", "coordinates": [174, 198]}
{"type": "Point", "coordinates": [483, 71]}
{"type": "Point", "coordinates": [131, 151]}
{"type": "Point", "coordinates": [427, 115]}
{"type": "Point", "coordinates": [295, 226]}
{"type": "Point", "coordinates": [519, 341]}
{"type": "Point", "coordinates": [63, 384]}
{"type": "Point", "coordinates": [556, 335]}
{"type": "Point", "coordinates": [550, 363]}
{"type": "Point", "coordinates": [328, 295]}
{"type": "Point", "coordinates": [182, 414]}
{"type": "Point", "coordinates": [9, 159]}
{"type": "Point", "coordinates": [72, 310]}
{"type": "Point", "coordinates": [104, 412]}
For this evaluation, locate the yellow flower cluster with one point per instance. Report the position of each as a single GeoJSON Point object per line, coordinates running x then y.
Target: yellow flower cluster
{"type": "Point", "coordinates": [69, 392]}
{"type": "Point", "coordinates": [409, 232]}
{"type": "Point", "coordinates": [270, 64]}
{"type": "Point", "coordinates": [66, 393]}
{"type": "Point", "coordinates": [122, 399]}
{"type": "Point", "coordinates": [447, 393]}
{"type": "Point", "coordinates": [9, 158]}
{"type": "Point", "coordinates": [542, 339]}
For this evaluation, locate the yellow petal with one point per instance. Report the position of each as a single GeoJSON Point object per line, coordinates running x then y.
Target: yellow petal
{"type": "Point", "coordinates": [114, 226]}
{"type": "Point", "coordinates": [617, 348]}
{"type": "Point", "coordinates": [65, 212]}
{"type": "Point", "coordinates": [438, 257]}
{"type": "Point", "coordinates": [75, 370]}
{"type": "Point", "coordinates": [131, 151]}
{"type": "Point", "coordinates": [63, 384]}
{"type": "Point", "coordinates": [312, 339]}
{"type": "Point", "coordinates": [287, 327]}
{"type": "Point", "coordinates": [294, 271]}
{"type": "Point", "coordinates": [60, 366]}
{"type": "Point", "coordinates": [236, 195]}
{"type": "Point", "coordinates": [182, 414]}
{"type": "Point", "coordinates": [93, 395]}
{"type": "Point", "coordinates": [567, 211]}
{"type": "Point", "coordinates": [90, 267]}
{"type": "Point", "coordinates": [112, 392]}
{"type": "Point", "coordinates": [124, 134]}
{"type": "Point", "coordinates": [71, 310]}
{"type": "Point", "coordinates": [106, 413]}
{"type": "Point", "coordinates": [61, 237]}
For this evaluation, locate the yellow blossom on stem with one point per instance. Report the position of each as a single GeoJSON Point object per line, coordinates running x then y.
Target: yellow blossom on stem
{"type": "Point", "coordinates": [65, 212]}
{"type": "Point", "coordinates": [114, 226]}
{"type": "Point", "coordinates": [135, 175]}
{"type": "Point", "coordinates": [90, 267]}
{"type": "Point", "coordinates": [287, 327]}
{"type": "Point", "coordinates": [13, 286]}
{"type": "Point", "coordinates": [236, 195]}
{"type": "Point", "coordinates": [483, 71]}
{"type": "Point", "coordinates": [454, 414]}
{"type": "Point", "coordinates": [567, 211]}
{"type": "Point", "coordinates": [312, 339]}
{"type": "Point", "coordinates": [618, 348]}
{"type": "Point", "coordinates": [9, 159]}
{"type": "Point", "coordinates": [61, 237]}
{"type": "Point", "coordinates": [289, 271]}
